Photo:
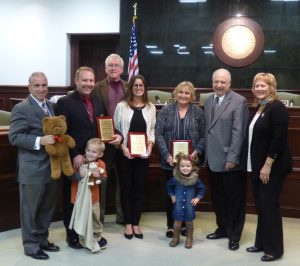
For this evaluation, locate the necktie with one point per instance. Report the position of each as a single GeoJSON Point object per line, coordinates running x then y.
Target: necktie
{"type": "Point", "coordinates": [45, 109]}
{"type": "Point", "coordinates": [89, 108]}
{"type": "Point", "coordinates": [215, 108]}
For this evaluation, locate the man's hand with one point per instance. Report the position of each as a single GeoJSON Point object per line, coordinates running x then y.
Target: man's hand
{"type": "Point", "coordinates": [229, 166]}
{"type": "Point", "coordinates": [78, 161]}
{"type": "Point", "coordinates": [47, 139]}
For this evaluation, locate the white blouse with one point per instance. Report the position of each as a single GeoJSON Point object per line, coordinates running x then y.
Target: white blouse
{"type": "Point", "coordinates": [123, 115]}
{"type": "Point", "coordinates": [249, 166]}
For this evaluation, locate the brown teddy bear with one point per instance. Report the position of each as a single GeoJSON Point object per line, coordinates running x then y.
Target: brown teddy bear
{"type": "Point", "coordinates": [59, 151]}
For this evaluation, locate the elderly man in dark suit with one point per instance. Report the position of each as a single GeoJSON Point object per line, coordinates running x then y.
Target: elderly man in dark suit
{"type": "Point", "coordinates": [38, 191]}
{"type": "Point", "coordinates": [80, 109]}
{"type": "Point", "coordinates": [226, 115]}
{"type": "Point", "coordinates": [112, 90]}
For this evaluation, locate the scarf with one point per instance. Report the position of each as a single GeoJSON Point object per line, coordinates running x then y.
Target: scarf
{"type": "Point", "coordinates": [186, 124]}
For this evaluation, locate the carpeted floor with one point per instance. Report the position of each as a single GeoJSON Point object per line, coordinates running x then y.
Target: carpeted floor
{"type": "Point", "coordinates": [153, 249]}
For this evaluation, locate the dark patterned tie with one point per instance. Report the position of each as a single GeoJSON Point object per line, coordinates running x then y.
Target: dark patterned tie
{"type": "Point", "coordinates": [45, 109]}
{"type": "Point", "coordinates": [215, 108]}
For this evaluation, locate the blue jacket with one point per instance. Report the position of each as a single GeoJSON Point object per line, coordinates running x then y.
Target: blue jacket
{"type": "Point", "coordinates": [185, 189]}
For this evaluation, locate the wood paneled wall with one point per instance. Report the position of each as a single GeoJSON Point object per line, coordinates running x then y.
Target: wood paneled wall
{"type": "Point", "coordinates": [155, 186]}
{"type": "Point", "coordinates": [155, 194]}
{"type": "Point", "coordinates": [9, 95]}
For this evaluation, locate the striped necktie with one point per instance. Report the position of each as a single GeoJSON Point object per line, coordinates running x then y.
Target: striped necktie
{"type": "Point", "coordinates": [45, 108]}
{"type": "Point", "coordinates": [215, 108]}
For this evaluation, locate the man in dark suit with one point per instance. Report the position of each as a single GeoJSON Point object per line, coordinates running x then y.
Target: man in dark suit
{"type": "Point", "coordinates": [112, 90]}
{"type": "Point", "coordinates": [80, 109]}
{"type": "Point", "coordinates": [226, 115]}
{"type": "Point", "coordinates": [38, 191]}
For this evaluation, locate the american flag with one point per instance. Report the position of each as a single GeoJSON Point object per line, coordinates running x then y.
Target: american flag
{"type": "Point", "coordinates": [133, 64]}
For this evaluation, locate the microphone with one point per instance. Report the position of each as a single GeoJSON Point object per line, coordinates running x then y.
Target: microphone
{"type": "Point", "coordinates": [157, 100]}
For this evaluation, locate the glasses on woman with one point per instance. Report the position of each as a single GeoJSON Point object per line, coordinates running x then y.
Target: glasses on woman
{"type": "Point", "coordinates": [138, 86]}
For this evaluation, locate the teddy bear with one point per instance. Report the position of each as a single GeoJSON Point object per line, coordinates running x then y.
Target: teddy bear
{"type": "Point", "coordinates": [92, 179]}
{"type": "Point", "coordinates": [60, 160]}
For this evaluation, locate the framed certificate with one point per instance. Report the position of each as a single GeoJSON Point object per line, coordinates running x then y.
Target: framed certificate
{"type": "Point", "coordinates": [137, 144]}
{"type": "Point", "coordinates": [106, 128]}
{"type": "Point", "coordinates": [177, 146]}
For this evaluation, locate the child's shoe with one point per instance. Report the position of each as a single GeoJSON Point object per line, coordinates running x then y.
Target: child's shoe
{"type": "Point", "coordinates": [189, 238]}
{"type": "Point", "coordinates": [176, 238]}
{"type": "Point", "coordinates": [102, 243]}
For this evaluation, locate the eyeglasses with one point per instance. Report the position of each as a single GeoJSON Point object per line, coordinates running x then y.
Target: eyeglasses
{"type": "Point", "coordinates": [113, 65]}
{"type": "Point", "coordinates": [138, 85]}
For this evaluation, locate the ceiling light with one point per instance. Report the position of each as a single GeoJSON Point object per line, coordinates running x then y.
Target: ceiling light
{"type": "Point", "coordinates": [185, 52]}
{"type": "Point", "coordinates": [192, 1]}
{"type": "Point", "coordinates": [156, 52]}
{"type": "Point", "coordinates": [269, 51]}
{"type": "Point", "coordinates": [284, 0]}
{"type": "Point", "coordinates": [151, 46]}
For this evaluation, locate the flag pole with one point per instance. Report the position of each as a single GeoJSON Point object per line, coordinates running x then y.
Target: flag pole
{"type": "Point", "coordinates": [133, 67]}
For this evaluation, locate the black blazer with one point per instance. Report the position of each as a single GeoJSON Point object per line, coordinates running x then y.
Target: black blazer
{"type": "Point", "coordinates": [78, 121]}
{"type": "Point", "coordinates": [269, 139]}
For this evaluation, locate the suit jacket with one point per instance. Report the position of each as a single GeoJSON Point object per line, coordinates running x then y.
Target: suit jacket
{"type": "Point", "coordinates": [25, 127]}
{"type": "Point", "coordinates": [225, 134]}
{"type": "Point", "coordinates": [269, 139]}
{"type": "Point", "coordinates": [79, 125]}
{"type": "Point", "coordinates": [101, 91]}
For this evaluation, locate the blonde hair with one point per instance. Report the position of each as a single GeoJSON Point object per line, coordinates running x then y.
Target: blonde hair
{"type": "Point", "coordinates": [270, 80]}
{"type": "Point", "coordinates": [81, 69]}
{"type": "Point", "coordinates": [185, 84]}
{"type": "Point", "coordinates": [98, 143]}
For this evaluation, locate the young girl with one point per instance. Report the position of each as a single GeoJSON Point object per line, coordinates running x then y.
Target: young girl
{"type": "Point", "coordinates": [86, 213]}
{"type": "Point", "coordinates": [182, 189]}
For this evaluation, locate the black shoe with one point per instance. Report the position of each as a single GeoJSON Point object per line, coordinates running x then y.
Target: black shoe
{"type": "Point", "coordinates": [74, 244]}
{"type": "Point", "coordinates": [140, 236]}
{"type": "Point", "coordinates": [50, 247]}
{"type": "Point", "coordinates": [102, 243]}
{"type": "Point", "coordinates": [254, 249]}
{"type": "Point", "coordinates": [233, 245]}
{"type": "Point", "coordinates": [169, 233]}
{"type": "Point", "coordinates": [183, 231]}
{"type": "Point", "coordinates": [39, 255]}
{"type": "Point", "coordinates": [215, 236]}
{"type": "Point", "coordinates": [268, 258]}
{"type": "Point", "coordinates": [128, 236]}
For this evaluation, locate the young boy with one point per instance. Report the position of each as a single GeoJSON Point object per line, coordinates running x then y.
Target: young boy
{"type": "Point", "coordinates": [86, 213]}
